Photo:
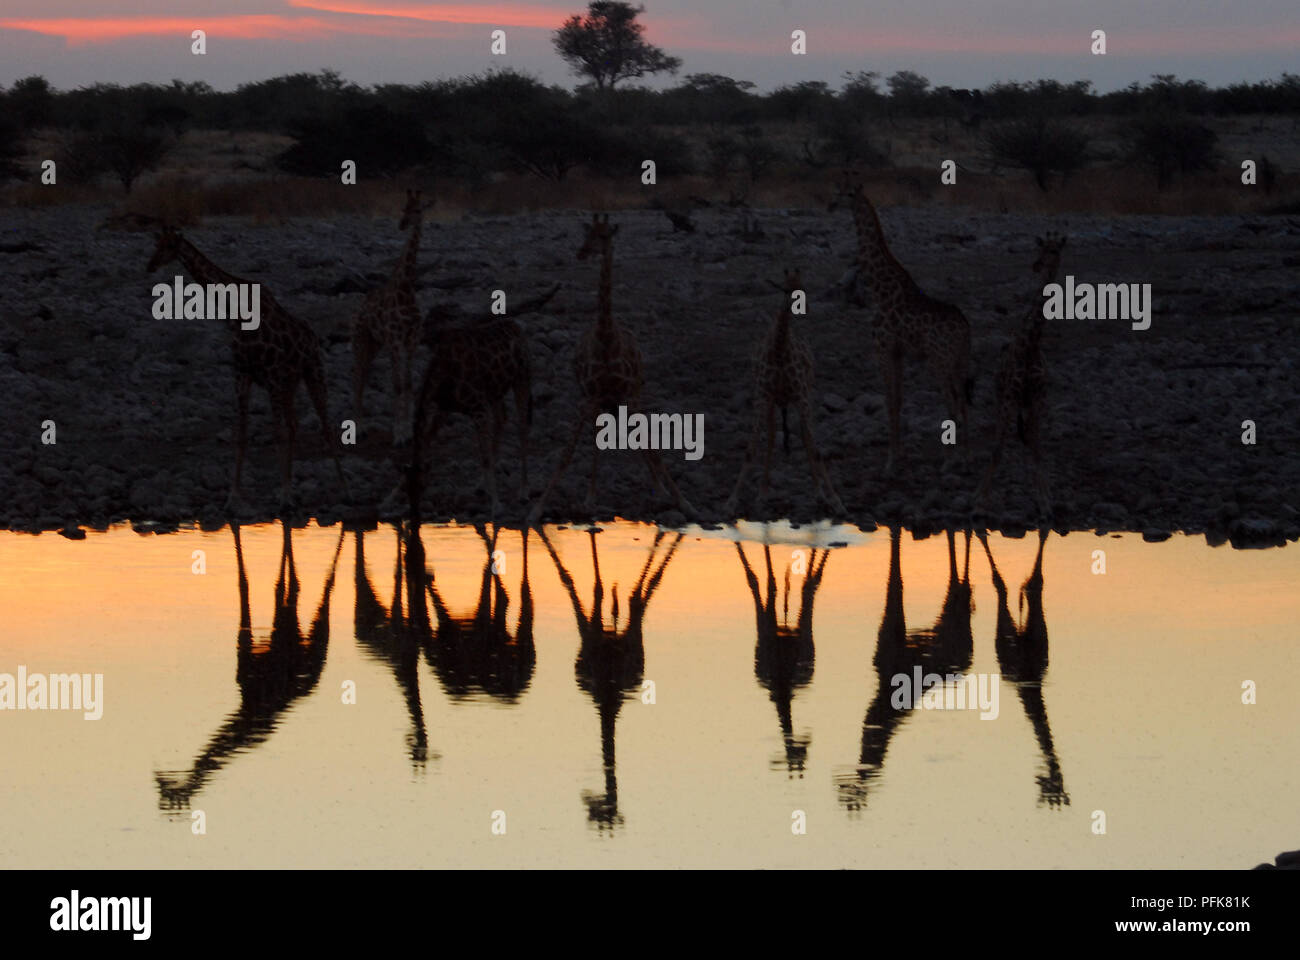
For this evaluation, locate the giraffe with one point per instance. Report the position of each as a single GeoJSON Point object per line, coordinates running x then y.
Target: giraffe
{"type": "Point", "coordinates": [393, 634]}
{"type": "Point", "coordinates": [783, 655]}
{"type": "Point", "coordinates": [945, 648]}
{"type": "Point", "coordinates": [278, 354]}
{"type": "Point", "coordinates": [1022, 378]}
{"type": "Point", "coordinates": [472, 368]}
{"type": "Point", "coordinates": [270, 678]}
{"type": "Point", "coordinates": [390, 317]}
{"type": "Point", "coordinates": [783, 374]}
{"type": "Point", "coordinates": [1022, 658]}
{"type": "Point", "coordinates": [611, 662]}
{"type": "Point", "coordinates": [907, 321]}
{"type": "Point", "coordinates": [607, 366]}
{"type": "Point", "coordinates": [476, 653]}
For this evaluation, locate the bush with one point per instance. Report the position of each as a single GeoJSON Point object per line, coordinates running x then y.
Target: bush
{"type": "Point", "coordinates": [11, 146]}
{"type": "Point", "coordinates": [132, 151]}
{"type": "Point", "coordinates": [378, 140]}
{"type": "Point", "coordinates": [1041, 145]}
{"type": "Point", "coordinates": [552, 144]}
{"type": "Point", "coordinates": [31, 100]}
{"type": "Point", "coordinates": [126, 151]}
{"type": "Point", "coordinates": [1171, 144]}
{"type": "Point", "coordinates": [844, 138]}
{"type": "Point", "coordinates": [621, 151]}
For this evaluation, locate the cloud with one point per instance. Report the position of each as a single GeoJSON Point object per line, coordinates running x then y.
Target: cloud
{"type": "Point", "coordinates": [493, 14]}
{"type": "Point", "coordinates": [82, 31]}
{"type": "Point", "coordinates": [842, 42]}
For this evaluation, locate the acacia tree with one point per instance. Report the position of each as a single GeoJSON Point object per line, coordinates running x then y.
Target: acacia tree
{"type": "Point", "coordinates": [608, 45]}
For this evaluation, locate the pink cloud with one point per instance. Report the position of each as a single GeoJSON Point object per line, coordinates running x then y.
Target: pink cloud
{"type": "Point", "coordinates": [846, 42]}
{"type": "Point", "coordinates": [81, 31]}
{"type": "Point", "coordinates": [495, 14]}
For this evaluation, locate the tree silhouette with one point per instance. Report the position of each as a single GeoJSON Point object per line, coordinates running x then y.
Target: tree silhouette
{"type": "Point", "coordinates": [608, 45]}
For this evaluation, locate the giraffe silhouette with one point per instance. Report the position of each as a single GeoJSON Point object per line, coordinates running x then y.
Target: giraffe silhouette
{"type": "Point", "coordinates": [783, 655]}
{"type": "Point", "coordinates": [783, 376]}
{"type": "Point", "coordinates": [393, 634]}
{"type": "Point", "coordinates": [390, 317]}
{"type": "Point", "coordinates": [608, 370]}
{"type": "Point", "coordinates": [278, 354]}
{"type": "Point", "coordinates": [908, 321]}
{"type": "Point", "coordinates": [471, 370]}
{"type": "Point", "coordinates": [1022, 379]}
{"type": "Point", "coordinates": [270, 679]}
{"type": "Point", "coordinates": [945, 648]}
{"type": "Point", "coordinates": [475, 652]}
{"type": "Point", "coordinates": [611, 661]}
{"type": "Point", "coordinates": [1022, 658]}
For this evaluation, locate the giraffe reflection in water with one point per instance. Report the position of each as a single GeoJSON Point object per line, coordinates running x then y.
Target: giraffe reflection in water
{"type": "Point", "coordinates": [1022, 658]}
{"type": "Point", "coordinates": [611, 662]}
{"type": "Point", "coordinates": [470, 654]}
{"type": "Point", "coordinates": [474, 652]}
{"type": "Point", "coordinates": [393, 635]}
{"type": "Point", "coordinates": [783, 655]}
{"type": "Point", "coordinates": [270, 676]}
{"type": "Point", "coordinates": [945, 648]}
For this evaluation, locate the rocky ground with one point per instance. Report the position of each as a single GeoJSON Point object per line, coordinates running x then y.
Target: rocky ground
{"type": "Point", "coordinates": [1144, 429]}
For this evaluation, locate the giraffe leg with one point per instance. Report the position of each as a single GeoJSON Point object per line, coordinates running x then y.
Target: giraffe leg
{"type": "Point", "coordinates": [315, 380]}
{"type": "Point", "coordinates": [767, 452]}
{"type": "Point", "coordinates": [411, 488]}
{"type": "Point", "coordinates": [664, 479]}
{"type": "Point", "coordinates": [591, 486]}
{"type": "Point", "coordinates": [488, 440]}
{"type": "Point", "coordinates": [982, 493]}
{"type": "Point", "coordinates": [585, 417]}
{"type": "Point", "coordinates": [746, 467]}
{"type": "Point", "coordinates": [893, 375]}
{"type": "Point", "coordinates": [287, 420]}
{"type": "Point", "coordinates": [243, 387]}
{"type": "Point", "coordinates": [363, 355]}
{"type": "Point", "coordinates": [524, 411]}
{"type": "Point", "coordinates": [816, 465]}
{"type": "Point", "coordinates": [954, 381]}
{"type": "Point", "coordinates": [1041, 480]}
{"type": "Point", "coordinates": [401, 358]}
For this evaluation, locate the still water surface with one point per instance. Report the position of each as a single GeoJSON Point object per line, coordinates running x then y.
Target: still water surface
{"type": "Point", "coordinates": [520, 698]}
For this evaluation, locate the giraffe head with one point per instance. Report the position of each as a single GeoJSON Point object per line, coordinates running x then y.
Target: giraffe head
{"type": "Point", "coordinates": [1049, 255]}
{"type": "Point", "coordinates": [412, 212]}
{"type": "Point", "coordinates": [167, 248]}
{"type": "Point", "coordinates": [848, 187]}
{"type": "Point", "coordinates": [599, 236]}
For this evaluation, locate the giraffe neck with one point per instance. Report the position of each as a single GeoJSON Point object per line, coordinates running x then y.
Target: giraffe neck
{"type": "Point", "coordinates": [200, 267]}
{"type": "Point", "coordinates": [205, 271]}
{"type": "Point", "coordinates": [404, 273]}
{"type": "Point", "coordinates": [604, 298]}
{"type": "Point", "coordinates": [1033, 323]}
{"type": "Point", "coordinates": [781, 332]}
{"type": "Point", "coordinates": [879, 265]}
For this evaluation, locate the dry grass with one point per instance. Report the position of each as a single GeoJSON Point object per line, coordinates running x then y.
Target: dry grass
{"type": "Point", "coordinates": [220, 173]}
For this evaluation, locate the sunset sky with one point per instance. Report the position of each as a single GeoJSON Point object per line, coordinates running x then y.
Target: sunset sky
{"type": "Point", "coordinates": [957, 42]}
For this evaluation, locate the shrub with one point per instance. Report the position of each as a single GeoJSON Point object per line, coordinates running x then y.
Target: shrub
{"type": "Point", "coordinates": [380, 142]}
{"type": "Point", "coordinates": [11, 146]}
{"type": "Point", "coordinates": [1171, 144]}
{"type": "Point", "coordinates": [126, 151]}
{"type": "Point", "coordinates": [1041, 145]}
